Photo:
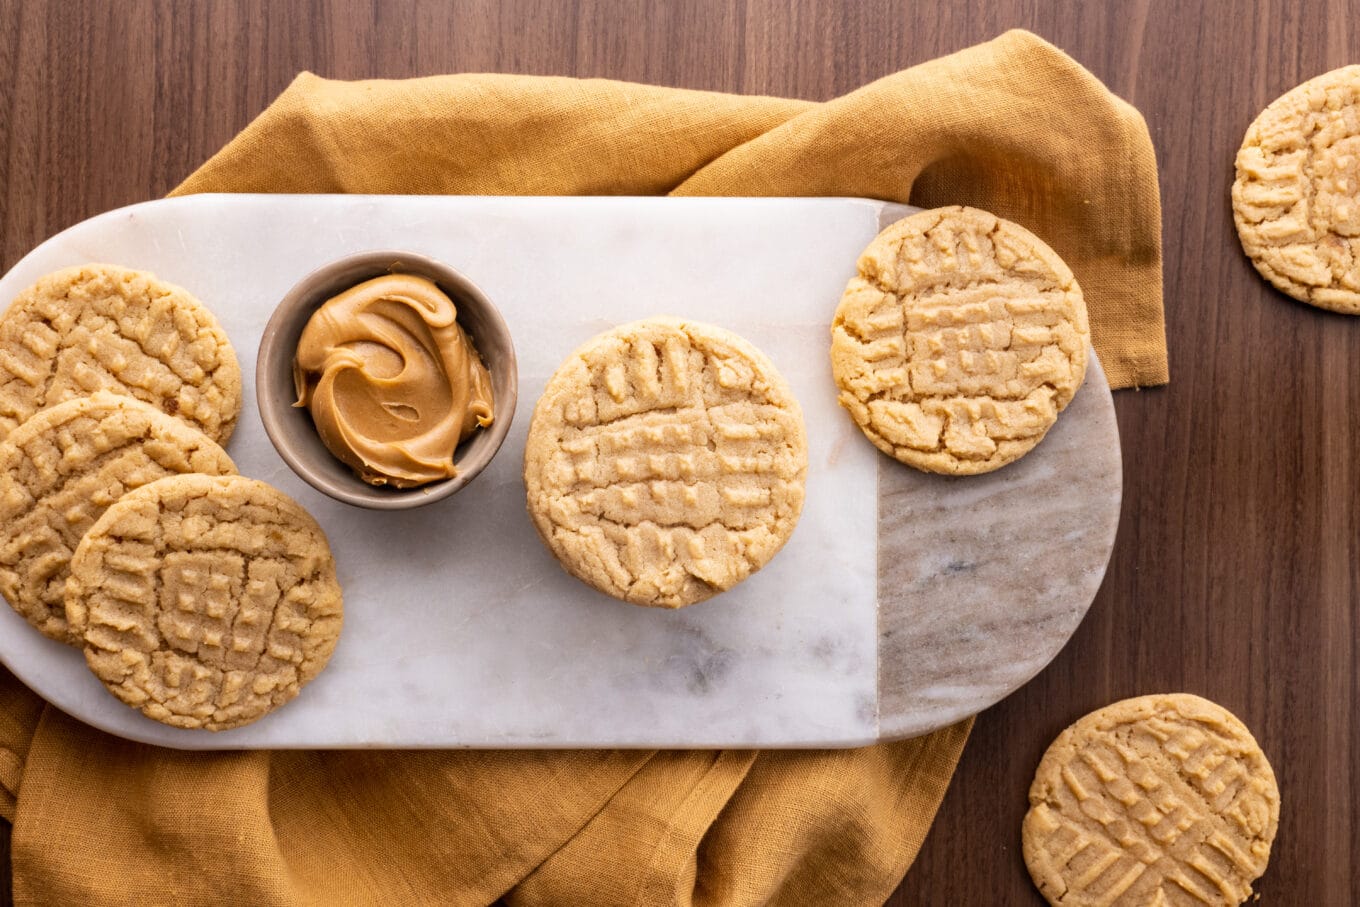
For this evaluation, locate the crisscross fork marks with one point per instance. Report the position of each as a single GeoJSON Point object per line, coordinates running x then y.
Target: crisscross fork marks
{"type": "Point", "coordinates": [1296, 196]}
{"type": "Point", "coordinates": [61, 469]}
{"type": "Point", "coordinates": [666, 462]}
{"type": "Point", "coordinates": [959, 341]}
{"type": "Point", "coordinates": [1141, 801]}
{"type": "Point", "coordinates": [205, 602]}
{"type": "Point", "coordinates": [100, 327]}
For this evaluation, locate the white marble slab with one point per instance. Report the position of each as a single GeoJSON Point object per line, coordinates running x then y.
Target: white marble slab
{"type": "Point", "coordinates": [460, 629]}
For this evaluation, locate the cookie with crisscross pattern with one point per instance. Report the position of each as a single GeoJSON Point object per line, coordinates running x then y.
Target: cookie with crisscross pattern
{"type": "Point", "coordinates": [959, 341]}
{"type": "Point", "coordinates": [666, 461]}
{"type": "Point", "coordinates": [1156, 800]}
{"type": "Point", "coordinates": [205, 602]}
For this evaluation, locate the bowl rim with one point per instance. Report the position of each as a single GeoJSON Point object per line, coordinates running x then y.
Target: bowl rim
{"type": "Point", "coordinates": [305, 294]}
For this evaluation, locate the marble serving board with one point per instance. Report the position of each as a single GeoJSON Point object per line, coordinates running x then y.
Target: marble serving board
{"type": "Point", "coordinates": [903, 602]}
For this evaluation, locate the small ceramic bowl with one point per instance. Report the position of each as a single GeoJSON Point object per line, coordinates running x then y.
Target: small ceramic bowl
{"type": "Point", "coordinates": [290, 428]}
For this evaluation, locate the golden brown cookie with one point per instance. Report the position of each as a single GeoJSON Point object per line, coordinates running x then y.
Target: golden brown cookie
{"type": "Point", "coordinates": [959, 342]}
{"type": "Point", "coordinates": [1155, 800]}
{"type": "Point", "coordinates": [665, 462]}
{"type": "Point", "coordinates": [101, 327]}
{"type": "Point", "coordinates": [205, 602]}
{"type": "Point", "coordinates": [61, 470]}
{"type": "Point", "coordinates": [1296, 198]}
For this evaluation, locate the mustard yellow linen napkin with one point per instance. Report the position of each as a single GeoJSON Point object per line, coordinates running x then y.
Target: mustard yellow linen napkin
{"type": "Point", "coordinates": [1013, 126]}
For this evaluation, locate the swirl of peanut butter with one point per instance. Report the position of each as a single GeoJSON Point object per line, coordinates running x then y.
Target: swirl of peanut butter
{"type": "Point", "coordinates": [393, 383]}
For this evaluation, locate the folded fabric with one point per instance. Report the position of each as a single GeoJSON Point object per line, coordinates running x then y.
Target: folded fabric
{"type": "Point", "coordinates": [1013, 126]}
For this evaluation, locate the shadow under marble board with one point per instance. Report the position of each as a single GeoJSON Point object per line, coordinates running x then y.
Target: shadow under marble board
{"type": "Point", "coordinates": [902, 603]}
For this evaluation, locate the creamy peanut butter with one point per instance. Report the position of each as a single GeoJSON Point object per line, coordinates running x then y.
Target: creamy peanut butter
{"type": "Point", "coordinates": [393, 383]}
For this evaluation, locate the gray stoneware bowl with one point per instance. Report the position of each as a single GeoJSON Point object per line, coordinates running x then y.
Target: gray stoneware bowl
{"type": "Point", "coordinates": [290, 428]}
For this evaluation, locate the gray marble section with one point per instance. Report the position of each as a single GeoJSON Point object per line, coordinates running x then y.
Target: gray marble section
{"type": "Point", "coordinates": [983, 579]}
{"type": "Point", "coordinates": [888, 614]}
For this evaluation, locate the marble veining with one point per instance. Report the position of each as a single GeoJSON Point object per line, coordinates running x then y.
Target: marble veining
{"type": "Point", "coordinates": [462, 631]}
{"type": "Point", "coordinates": [983, 579]}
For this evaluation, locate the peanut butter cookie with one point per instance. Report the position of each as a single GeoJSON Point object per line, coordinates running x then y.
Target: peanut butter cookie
{"type": "Point", "coordinates": [205, 602]}
{"type": "Point", "coordinates": [101, 327]}
{"type": "Point", "coordinates": [1296, 198]}
{"type": "Point", "coordinates": [665, 462]}
{"type": "Point", "coordinates": [1154, 800]}
{"type": "Point", "coordinates": [61, 470]}
{"type": "Point", "coordinates": [959, 342]}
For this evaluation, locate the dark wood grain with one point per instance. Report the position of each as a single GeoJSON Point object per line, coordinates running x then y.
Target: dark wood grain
{"type": "Point", "coordinates": [1236, 571]}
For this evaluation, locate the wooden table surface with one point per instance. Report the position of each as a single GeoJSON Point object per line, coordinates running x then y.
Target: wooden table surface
{"type": "Point", "coordinates": [1236, 570]}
